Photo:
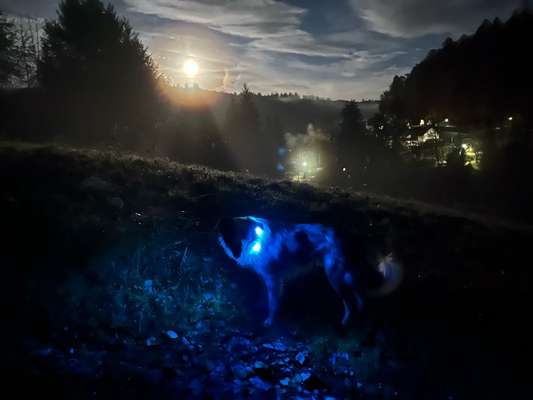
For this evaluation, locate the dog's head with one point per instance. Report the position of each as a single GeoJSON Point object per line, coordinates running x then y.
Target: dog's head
{"type": "Point", "coordinates": [242, 236]}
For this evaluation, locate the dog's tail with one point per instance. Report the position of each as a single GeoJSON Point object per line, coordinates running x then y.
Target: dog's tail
{"type": "Point", "coordinates": [391, 273]}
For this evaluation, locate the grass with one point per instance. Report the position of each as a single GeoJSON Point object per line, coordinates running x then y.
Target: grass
{"type": "Point", "coordinates": [103, 247]}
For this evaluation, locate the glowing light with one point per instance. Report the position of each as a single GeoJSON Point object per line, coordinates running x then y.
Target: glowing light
{"type": "Point", "coordinates": [259, 231]}
{"type": "Point", "coordinates": [510, 118]}
{"type": "Point", "coordinates": [190, 68]}
{"type": "Point", "coordinates": [446, 120]}
{"type": "Point", "coordinates": [256, 248]}
{"type": "Point", "coordinates": [304, 164]}
{"type": "Point", "coordinates": [344, 169]}
{"type": "Point", "coordinates": [422, 122]}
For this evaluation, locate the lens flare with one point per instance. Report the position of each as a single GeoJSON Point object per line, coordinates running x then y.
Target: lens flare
{"type": "Point", "coordinates": [190, 68]}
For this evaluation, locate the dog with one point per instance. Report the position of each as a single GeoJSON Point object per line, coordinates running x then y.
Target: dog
{"type": "Point", "coordinates": [279, 251]}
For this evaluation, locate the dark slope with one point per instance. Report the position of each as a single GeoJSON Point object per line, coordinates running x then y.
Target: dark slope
{"type": "Point", "coordinates": [104, 253]}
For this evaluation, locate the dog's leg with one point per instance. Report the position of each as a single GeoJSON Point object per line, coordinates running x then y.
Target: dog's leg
{"type": "Point", "coordinates": [334, 275]}
{"type": "Point", "coordinates": [273, 287]}
{"type": "Point", "coordinates": [350, 299]}
{"type": "Point", "coordinates": [346, 315]}
{"type": "Point", "coordinates": [342, 282]}
{"type": "Point", "coordinates": [358, 301]}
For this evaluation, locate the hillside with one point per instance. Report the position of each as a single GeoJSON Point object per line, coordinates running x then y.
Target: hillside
{"type": "Point", "coordinates": [115, 285]}
{"type": "Point", "coordinates": [293, 113]}
{"type": "Point", "coordinates": [478, 79]}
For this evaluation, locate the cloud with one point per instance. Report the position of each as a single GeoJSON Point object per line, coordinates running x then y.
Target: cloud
{"type": "Point", "coordinates": [265, 24]}
{"type": "Point", "coordinates": [29, 8]}
{"type": "Point", "coordinates": [360, 61]}
{"type": "Point", "coordinates": [247, 18]}
{"type": "Point", "coordinates": [413, 18]}
{"type": "Point", "coordinates": [338, 49]}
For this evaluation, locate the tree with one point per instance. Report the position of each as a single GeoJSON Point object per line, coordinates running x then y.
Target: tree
{"type": "Point", "coordinates": [352, 122]}
{"type": "Point", "coordinates": [393, 100]}
{"type": "Point", "coordinates": [479, 79]}
{"type": "Point", "coordinates": [19, 51]}
{"type": "Point", "coordinates": [363, 156]}
{"type": "Point", "coordinates": [243, 130]}
{"type": "Point", "coordinates": [351, 141]}
{"type": "Point", "coordinates": [98, 68]}
{"type": "Point", "coordinates": [249, 113]}
{"type": "Point", "coordinates": [7, 51]}
{"type": "Point", "coordinates": [351, 131]}
{"type": "Point", "coordinates": [27, 50]}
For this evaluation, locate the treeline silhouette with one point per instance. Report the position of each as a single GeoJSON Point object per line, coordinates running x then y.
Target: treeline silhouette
{"type": "Point", "coordinates": [95, 84]}
{"type": "Point", "coordinates": [479, 79]}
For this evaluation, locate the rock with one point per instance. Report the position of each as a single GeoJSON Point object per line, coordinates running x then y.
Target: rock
{"type": "Point", "coordinates": [149, 286]}
{"type": "Point", "coordinates": [208, 297]}
{"type": "Point", "coordinates": [275, 346]}
{"type": "Point", "coordinates": [171, 334]}
{"type": "Point", "coordinates": [301, 357]}
{"type": "Point", "coordinates": [239, 343]}
{"type": "Point", "coordinates": [151, 341]}
{"type": "Point", "coordinates": [259, 365]}
{"type": "Point", "coordinates": [284, 381]}
{"type": "Point", "coordinates": [238, 385]}
{"type": "Point", "coordinates": [302, 377]}
{"type": "Point", "coordinates": [96, 184]}
{"type": "Point", "coordinates": [116, 202]}
{"type": "Point", "coordinates": [333, 359]}
{"type": "Point", "coordinates": [259, 383]}
{"type": "Point", "coordinates": [240, 371]}
{"type": "Point", "coordinates": [217, 368]}
{"type": "Point", "coordinates": [186, 342]}
{"type": "Point", "coordinates": [196, 386]}
{"type": "Point", "coordinates": [200, 326]}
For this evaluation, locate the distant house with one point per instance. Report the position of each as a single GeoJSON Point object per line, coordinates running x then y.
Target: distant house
{"type": "Point", "coordinates": [431, 134]}
{"type": "Point", "coordinates": [432, 143]}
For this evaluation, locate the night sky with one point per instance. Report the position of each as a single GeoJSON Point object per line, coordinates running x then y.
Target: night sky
{"type": "Point", "coordinates": [339, 49]}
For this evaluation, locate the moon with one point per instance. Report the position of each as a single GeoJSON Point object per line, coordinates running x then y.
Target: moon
{"type": "Point", "coordinates": [190, 68]}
